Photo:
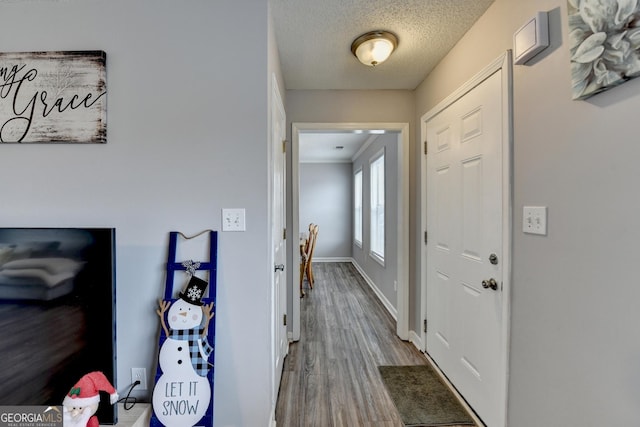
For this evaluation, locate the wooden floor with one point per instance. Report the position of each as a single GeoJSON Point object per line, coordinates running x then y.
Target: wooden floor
{"type": "Point", "coordinates": [331, 375]}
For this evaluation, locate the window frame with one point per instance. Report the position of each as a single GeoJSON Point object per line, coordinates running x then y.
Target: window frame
{"type": "Point", "coordinates": [358, 214]}
{"type": "Point", "coordinates": [378, 174]}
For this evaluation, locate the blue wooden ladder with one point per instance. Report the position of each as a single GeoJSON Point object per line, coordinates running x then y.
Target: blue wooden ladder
{"type": "Point", "coordinates": [174, 266]}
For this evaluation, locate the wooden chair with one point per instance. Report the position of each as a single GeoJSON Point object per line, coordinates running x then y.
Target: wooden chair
{"type": "Point", "coordinates": [313, 237]}
{"type": "Point", "coordinates": [304, 244]}
{"type": "Point", "coordinates": [307, 246]}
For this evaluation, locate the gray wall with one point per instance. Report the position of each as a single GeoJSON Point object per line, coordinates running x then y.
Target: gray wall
{"type": "Point", "coordinates": [326, 199]}
{"type": "Point", "coordinates": [575, 352]}
{"type": "Point", "coordinates": [186, 118]}
{"type": "Point", "coordinates": [382, 276]}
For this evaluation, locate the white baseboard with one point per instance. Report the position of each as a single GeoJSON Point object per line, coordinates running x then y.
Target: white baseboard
{"type": "Point", "coordinates": [332, 259]}
{"type": "Point", "coordinates": [390, 308]}
{"type": "Point", "coordinates": [416, 340]}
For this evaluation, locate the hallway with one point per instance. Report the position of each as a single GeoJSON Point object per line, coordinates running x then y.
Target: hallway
{"type": "Point", "coordinates": [331, 375]}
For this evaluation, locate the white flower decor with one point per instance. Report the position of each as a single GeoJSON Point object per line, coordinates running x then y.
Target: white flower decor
{"type": "Point", "coordinates": [604, 40]}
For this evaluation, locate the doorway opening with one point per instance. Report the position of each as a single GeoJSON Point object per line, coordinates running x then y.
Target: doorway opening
{"type": "Point", "coordinates": [402, 205]}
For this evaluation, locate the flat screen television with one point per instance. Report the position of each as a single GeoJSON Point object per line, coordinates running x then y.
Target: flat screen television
{"type": "Point", "coordinates": [57, 313]}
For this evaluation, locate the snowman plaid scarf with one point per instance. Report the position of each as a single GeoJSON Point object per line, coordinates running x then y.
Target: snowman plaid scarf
{"type": "Point", "coordinates": [198, 358]}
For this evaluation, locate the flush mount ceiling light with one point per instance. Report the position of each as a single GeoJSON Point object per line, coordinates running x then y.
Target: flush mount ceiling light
{"type": "Point", "coordinates": [374, 47]}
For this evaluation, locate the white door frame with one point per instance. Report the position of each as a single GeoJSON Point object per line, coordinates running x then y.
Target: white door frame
{"type": "Point", "coordinates": [402, 321]}
{"type": "Point", "coordinates": [503, 62]}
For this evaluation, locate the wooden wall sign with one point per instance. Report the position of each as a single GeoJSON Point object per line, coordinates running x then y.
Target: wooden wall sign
{"type": "Point", "coordinates": [53, 97]}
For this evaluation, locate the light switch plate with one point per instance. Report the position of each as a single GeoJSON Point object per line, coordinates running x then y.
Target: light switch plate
{"type": "Point", "coordinates": [534, 220]}
{"type": "Point", "coordinates": [233, 220]}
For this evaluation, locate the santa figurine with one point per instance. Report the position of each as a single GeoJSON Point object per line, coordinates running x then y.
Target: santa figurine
{"type": "Point", "coordinates": [83, 399]}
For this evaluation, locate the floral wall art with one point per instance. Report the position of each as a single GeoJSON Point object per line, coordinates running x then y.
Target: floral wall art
{"type": "Point", "coordinates": [604, 38]}
{"type": "Point", "coordinates": [53, 97]}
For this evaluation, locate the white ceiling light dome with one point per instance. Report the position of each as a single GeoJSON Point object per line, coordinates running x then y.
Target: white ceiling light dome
{"type": "Point", "coordinates": [374, 47]}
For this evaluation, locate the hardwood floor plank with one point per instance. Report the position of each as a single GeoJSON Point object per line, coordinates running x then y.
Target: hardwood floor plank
{"type": "Point", "coordinates": [343, 401]}
{"type": "Point", "coordinates": [317, 391]}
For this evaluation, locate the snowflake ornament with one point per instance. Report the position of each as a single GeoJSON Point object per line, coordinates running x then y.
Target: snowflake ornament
{"type": "Point", "coordinates": [194, 294]}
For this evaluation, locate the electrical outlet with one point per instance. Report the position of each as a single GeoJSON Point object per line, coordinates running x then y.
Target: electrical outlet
{"type": "Point", "coordinates": [139, 374]}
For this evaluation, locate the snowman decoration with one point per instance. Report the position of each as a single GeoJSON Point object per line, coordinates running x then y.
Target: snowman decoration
{"type": "Point", "coordinates": [182, 393]}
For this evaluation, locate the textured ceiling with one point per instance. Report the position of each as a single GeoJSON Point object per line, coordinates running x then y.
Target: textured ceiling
{"type": "Point", "coordinates": [314, 39]}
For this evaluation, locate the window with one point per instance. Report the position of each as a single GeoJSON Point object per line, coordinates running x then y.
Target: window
{"type": "Point", "coordinates": [377, 207]}
{"type": "Point", "coordinates": [357, 207]}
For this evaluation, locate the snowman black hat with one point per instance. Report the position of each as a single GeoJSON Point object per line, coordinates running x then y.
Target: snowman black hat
{"type": "Point", "coordinates": [194, 291]}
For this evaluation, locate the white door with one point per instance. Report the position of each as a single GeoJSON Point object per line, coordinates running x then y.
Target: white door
{"type": "Point", "coordinates": [465, 246]}
{"type": "Point", "coordinates": [279, 292]}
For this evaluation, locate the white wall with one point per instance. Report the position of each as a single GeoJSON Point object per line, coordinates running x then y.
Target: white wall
{"type": "Point", "coordinates": [326, 199]}
{"type": "Point", "coordinates": [575, 352]}
{"type": "Point", "coordinates": [187, 136]}
{"type": "Point", "coordinates": [383, 276]}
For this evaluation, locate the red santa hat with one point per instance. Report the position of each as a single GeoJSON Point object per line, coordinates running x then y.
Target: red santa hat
{"type": "Point", "coordinates": [87, 390]}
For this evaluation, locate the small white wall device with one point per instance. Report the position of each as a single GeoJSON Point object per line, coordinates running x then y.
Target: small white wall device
{"type": "Point", "coordinates": [531, 38]}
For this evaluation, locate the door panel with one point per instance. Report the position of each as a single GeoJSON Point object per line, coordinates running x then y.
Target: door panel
{"type": "Point", "coordinates": [280, 343]}
{"type": "Point", "coordinates": [464, 220]}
